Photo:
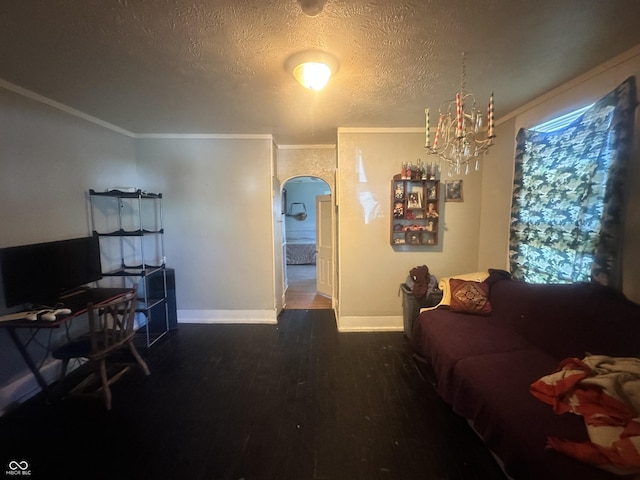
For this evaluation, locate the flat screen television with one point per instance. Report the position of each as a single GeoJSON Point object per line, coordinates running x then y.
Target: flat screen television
{"type": "Point", "coordinates": [40, 273]}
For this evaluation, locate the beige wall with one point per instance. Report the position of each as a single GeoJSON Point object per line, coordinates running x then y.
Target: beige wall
{"type": "Point", "coordinates": [371, 270]}
{"type": "Point", "coordinates": [497, 184]}
{"type": "Point", "coordinates": [48, 162]}
{"type": "Point", "coordinates": [218, 223]}
{"type": "Point", "coordinates": [498, 174]}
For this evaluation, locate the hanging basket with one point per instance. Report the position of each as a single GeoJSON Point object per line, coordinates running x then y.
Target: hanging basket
{"type": "Point", "coordinates": [298, 212]}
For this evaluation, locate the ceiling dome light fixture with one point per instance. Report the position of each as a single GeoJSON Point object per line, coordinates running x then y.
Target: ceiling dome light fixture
{"type": "Point", "coordinates": [312, 8]}
{"type": "Point", "coordinates": [312, 68]}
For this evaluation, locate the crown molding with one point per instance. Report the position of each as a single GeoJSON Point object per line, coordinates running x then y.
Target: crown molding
{"type": "Point", "coordinates": [62, 107]}
{"type": "Point", "coordinates": [381, 130]}
{"type": "Point", "coordinates": [205, 136]}
{"type": "Point", "coordinates": [326, 146]}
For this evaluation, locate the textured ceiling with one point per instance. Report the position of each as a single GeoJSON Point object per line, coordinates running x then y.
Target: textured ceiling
{"type": "Point", "coordinates": [217, 66]}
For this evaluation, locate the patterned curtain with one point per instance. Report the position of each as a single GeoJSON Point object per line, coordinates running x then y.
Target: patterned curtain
{"type": "Point", "coordinates": [569, 194]}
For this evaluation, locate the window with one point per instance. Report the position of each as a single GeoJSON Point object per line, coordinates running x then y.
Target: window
{"type": "Point", "coordinates": [561, 121]}
{"type": "Point", "coordinates": [567, 200]}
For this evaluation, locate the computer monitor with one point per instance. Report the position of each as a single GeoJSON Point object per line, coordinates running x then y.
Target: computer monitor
{"type": "Point", "coordinates": [40, 273]}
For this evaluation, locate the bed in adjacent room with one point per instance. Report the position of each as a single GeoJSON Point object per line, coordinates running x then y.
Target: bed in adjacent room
{"type": "Point", "coordinates": [301, 248]}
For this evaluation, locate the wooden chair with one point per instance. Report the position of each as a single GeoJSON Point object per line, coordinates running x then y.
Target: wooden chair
{"type": "Point", "coordinates": [110, 331]}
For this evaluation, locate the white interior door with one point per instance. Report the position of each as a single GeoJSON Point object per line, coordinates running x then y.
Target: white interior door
{"type": "Point", "coordinates": [324, 245]}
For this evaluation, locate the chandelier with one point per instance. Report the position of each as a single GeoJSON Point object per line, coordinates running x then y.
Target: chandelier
{"type": "Point", "coordinates": [460, 137]}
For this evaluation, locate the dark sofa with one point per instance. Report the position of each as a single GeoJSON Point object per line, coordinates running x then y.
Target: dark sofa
{"type": "Point", "coordinates": [483, 365]}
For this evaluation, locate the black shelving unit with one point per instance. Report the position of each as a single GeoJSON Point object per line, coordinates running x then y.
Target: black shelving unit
{"type": "Point", "coordinates": [138, 215]}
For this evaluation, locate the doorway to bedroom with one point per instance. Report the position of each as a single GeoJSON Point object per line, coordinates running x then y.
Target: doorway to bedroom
{"type": "Point", "coordinates": [306, 253]}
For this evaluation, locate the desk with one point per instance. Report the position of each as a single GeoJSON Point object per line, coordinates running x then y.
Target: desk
{"type": "Point", "coordinates": [77, 303]}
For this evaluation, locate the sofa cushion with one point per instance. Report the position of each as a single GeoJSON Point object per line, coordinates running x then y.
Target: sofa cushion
{"type": "Point", "coordinates": [444, 337]}
{"type": "Point", "coordinates": [468, 296]}
{"type": "Point", "coordinates": [569, 320]}
{"type": "Point", "coordinates": [492, 391]}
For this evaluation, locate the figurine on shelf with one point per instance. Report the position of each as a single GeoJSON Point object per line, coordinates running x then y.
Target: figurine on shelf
{"type": "Point", "coordinates": [414, 227]}
{"type": "Point", "coordinates": [398, 210]}
{"type": "Point", "coordinates": [399, 191]}
{"type": "Point", "coordinates": [431, 211]}
{"type": "Point", "coordinates": [431, 171]}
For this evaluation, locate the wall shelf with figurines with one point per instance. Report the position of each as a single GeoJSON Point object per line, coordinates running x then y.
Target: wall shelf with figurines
{"type": "Point", "coordinates": [415, 196]}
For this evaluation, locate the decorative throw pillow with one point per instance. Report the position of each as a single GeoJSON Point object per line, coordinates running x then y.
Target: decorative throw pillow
{"type": "Point", "coordinates": [469, 297]}
{"type": "Point", "coordinates": [445, 286]}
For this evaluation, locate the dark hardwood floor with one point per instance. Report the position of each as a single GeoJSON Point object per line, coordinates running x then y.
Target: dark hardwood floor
{"type": "Point", "coordinates": [295, 401]}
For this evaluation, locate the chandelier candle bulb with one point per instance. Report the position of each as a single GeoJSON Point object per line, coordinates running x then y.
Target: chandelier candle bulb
{"type": "Point", "coordinates": [435, 141]}
{"type": "Point", "coordinates": [426, 114]}
{"type": "Point", "coordinates": [490, 119]}
{"type": "Point", "coordinates": [459, 114]}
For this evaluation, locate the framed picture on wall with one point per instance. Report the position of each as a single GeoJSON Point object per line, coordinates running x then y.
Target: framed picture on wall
{"type": "Point", "coordinates": [453, 191]}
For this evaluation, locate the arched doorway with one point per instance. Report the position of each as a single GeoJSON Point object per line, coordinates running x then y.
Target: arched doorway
{"type": "Point", "coordinates": [306, 221]}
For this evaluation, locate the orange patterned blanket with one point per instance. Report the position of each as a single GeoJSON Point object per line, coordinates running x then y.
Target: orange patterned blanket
{"type": "Point", "coordinates": [606, 392]}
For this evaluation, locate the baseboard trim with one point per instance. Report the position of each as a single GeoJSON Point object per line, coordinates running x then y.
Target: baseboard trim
{"type": "Point", "coordinates": [25, 387]}
{"type": "Point", "coordinates": [228, 316]}
{"type": "Point", "coordinates": [371, 324]}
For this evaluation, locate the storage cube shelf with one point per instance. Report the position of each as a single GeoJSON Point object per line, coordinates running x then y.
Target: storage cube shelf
{"type": "Point", "coordinates": [130, 227]}
{"type": "Point", "coordinates": [414, 211]}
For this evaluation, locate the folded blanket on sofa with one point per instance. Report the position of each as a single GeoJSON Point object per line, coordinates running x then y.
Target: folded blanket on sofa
{"type": "Point", "coordinates": [606, 392]}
